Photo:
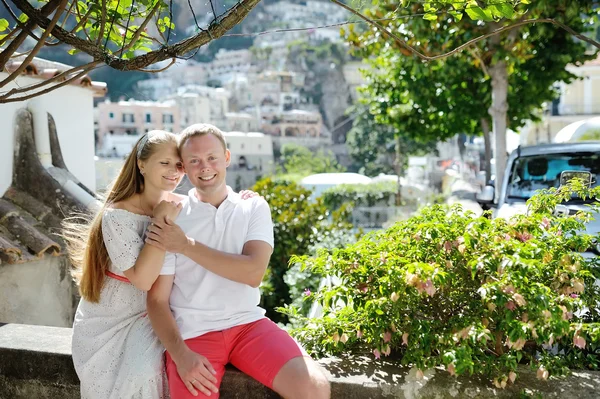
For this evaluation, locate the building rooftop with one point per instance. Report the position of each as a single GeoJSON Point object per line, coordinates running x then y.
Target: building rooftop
{"type": "Point", "coordinates": [28, 229]}
{"type": "Point", "coordinates": [45, 69]}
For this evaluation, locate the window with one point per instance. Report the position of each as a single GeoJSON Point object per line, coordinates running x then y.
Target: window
{"type": "Point", "coordinates": [128, 118]}
{"type": "Point", "coordinates": [242, 146]}
{"type": "Point", "coordinates": [111, 115]}
{"type": "Point", "coordinates": [167, 118]}
{"type": "Point", "coordinates": [148, 117]}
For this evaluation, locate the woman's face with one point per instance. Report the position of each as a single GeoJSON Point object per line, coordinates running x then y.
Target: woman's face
{"type": "Point", "coordinates": [163, 170]}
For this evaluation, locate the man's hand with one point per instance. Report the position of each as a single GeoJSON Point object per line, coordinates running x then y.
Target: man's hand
{"type": "Point", "coordinates": [197, 373]}
{"type": "Point", "coordinates": [166, 236]}
{"type": "Point", "coordinates": [167, 211]}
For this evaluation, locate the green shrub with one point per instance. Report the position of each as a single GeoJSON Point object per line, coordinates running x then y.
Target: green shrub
{"type": "Point", "coordinates": [360, 195]}
{"type": "Point", "coordinates": [472, 295]}
{"type": "Point", "coordinates": [298, 226]}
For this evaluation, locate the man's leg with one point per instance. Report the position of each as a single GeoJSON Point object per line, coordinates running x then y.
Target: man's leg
{"type": "Point", "coordinates": [212, 347]}
{"type": "Point", "coordinates": [268, 354]}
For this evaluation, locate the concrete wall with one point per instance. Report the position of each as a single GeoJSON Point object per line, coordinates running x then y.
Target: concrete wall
{"type": "Point", "coordinates": [39, 292]}
{"type": "Point", "coordinates": [36, 363]}
{"type": "Point", "coordinates": [72, 108]}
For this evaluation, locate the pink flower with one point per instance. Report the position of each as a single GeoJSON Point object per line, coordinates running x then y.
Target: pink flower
{"type": "Point", "coordinates": [344, 338]}
{"type": "Point", "coordinates": [510, 305]}
{"type": "Point", "coordinates": [394, 297]}
{"type": "Point", "coordinates": [359, 334]}
{"type": "Point", "coordinates": [387, 337]}
{"type": "Point", "coordinates": [519, 299]}
{"type": "Point", "coordinates": [448, 246]}
{"type": "Point", "coordinates": [405, 339]}
{"type": "Point", "coordinates": [387, 350]}
{"type": "Point", "coordinates": [545, 223]}
{"type": "Point", "coordinates": [363, 287]}
{"type": "Point", "coordinates": [574, 296]}
{"type": "Point", "coordinates": [377, 354]}
{"type": "Point", "coordinates": [542, 373]}
{"type": "Point", "coordinates": [419, 374]}
{"type": "Point", "coordinates": [429, 288]}
{"type": "Point", "coordinates": [307, 292]}
{"type": "Point", "coordinates": [512, 376]}
{"type": "Point", "coordinates": [579, 341]}
{"type": "Point", "coordinates": [336, 337]}
{"type": "Point", "coordinates": [451, 369]}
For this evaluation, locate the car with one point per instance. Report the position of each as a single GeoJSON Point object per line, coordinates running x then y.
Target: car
{"type": "Point", "coordinates": [533, 168]}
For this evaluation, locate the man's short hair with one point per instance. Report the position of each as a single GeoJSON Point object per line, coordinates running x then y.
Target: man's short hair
{"type": "Point", "coordinates": [201, 129]}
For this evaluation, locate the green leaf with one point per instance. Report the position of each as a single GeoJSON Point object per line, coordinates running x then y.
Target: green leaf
{"type": "Point", "coordinates": [3, 25]}
{"type": "Point", "coordinates": [503, 10]}
{"type": "Point", "coordinates": [430, 17]}
{"type": "Point", "coordinates": [23, 18]}
{"type": "Point", "coordinates": [73, 51]}
{"type": "Point", "coordinates": [479, 14]}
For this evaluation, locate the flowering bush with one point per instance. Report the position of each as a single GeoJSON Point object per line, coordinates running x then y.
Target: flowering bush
{"type": "Point", "coordinates": [471, 295]}
{"type": "Point", "coordinates": [381, 194]}
{"type": "Point", "coordinates": [299, 225]}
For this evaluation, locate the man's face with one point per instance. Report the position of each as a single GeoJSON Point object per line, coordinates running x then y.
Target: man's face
{"type": "Point", "coordinates": [205, 162]}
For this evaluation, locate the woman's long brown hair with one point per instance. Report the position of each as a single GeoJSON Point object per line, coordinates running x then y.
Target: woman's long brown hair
{"type": "Point", "coordinates": [83, 234]}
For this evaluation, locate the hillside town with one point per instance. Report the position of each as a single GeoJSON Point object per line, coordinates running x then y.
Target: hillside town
{"type": "Point", "coordinates": [305, 199]}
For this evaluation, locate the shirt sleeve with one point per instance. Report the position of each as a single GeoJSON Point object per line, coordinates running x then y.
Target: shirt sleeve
{"type": "Point", "coordinates": [168, 268]}
{"type": "Point", "coordinates": [122, 240]}
{"type": "Point", "coordinates": [261, 224]}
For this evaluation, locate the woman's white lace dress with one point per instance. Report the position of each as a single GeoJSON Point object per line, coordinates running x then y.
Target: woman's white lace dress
{"type": "Point", "coordinates": [115, 351]}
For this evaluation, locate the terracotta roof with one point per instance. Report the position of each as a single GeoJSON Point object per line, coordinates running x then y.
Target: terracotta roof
{"type": "Point", "coordinates": [28, 228]}
{"type": "Point", "coordinates": [44, 69]}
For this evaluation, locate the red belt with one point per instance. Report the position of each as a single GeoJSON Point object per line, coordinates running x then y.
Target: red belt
{"type": "Point", "coordinates": [117, 277]}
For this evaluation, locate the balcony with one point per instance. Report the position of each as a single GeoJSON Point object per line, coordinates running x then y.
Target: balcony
{"type": "Point", "coordinates": [573, 109]}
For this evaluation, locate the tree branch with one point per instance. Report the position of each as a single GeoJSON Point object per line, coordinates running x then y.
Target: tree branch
{"type": "Point", "coordinates": [102, 23]}
{"type": "Point", "coordinates": [12, 92]}
{"type": "Point", "coordinates": [235, 15]}
{"type": "Point", "coordinates": [38, 45]}
{"type": "Point", "coordinates": [16, 43]}
{"type": "Point", "coordinates": [139, 31]}
{"type": "Point", "coordinates": [49, 89]}
{"type": "Point", "coordinates": [424, 57]}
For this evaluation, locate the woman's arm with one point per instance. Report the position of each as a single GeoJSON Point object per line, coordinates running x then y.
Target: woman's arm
{"type": "Point", "coordinates": [149, 262]}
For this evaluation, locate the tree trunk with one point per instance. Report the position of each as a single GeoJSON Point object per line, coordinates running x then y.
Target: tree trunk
{"type": "Point", "coordinates": [498, 111]}
{"type": "Point", "coordinates": [487, 144]}
{"type": "Point", "coordinates": [398, 166]}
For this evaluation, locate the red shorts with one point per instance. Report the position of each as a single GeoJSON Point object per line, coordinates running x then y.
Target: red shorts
{"type": "Point", "coordinates": [259, 349]}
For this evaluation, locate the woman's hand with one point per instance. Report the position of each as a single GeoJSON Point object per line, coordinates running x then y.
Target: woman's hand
{"type": "Point", "coordinates": [247, 194]}
{"type": "Point", "coordinates": [167, 211]}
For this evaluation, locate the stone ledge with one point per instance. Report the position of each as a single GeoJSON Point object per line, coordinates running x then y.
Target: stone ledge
{"type": "Point", "coordinates": [35, 362]}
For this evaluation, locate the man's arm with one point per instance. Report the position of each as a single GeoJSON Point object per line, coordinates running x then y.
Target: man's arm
{"type": "Point", "coordinates": [194, 369]}
{"type": "Point", "coordinates": [248, 268]}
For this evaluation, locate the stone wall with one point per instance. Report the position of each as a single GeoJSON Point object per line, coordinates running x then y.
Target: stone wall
{"type": "Point", "coordinates": [35, 362]}
{"type": "Point", "coordinates": [38, 292]}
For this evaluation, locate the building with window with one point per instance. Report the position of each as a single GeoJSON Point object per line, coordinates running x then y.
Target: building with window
{"type": "Point", "coordinates": [578, 101]}
{"type": "Point", "coordinates": [132, 119]}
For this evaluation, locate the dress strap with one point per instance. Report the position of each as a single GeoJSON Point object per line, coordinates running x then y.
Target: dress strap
{"type": "Point", "coordinates": [117, 277]}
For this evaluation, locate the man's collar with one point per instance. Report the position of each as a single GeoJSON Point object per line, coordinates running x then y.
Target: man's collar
{"type": "Point", "coordinates": [232, 197]}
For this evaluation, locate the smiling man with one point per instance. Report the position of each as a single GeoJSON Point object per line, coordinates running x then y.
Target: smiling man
{"type": "Point", "coordinates": [204, 306]}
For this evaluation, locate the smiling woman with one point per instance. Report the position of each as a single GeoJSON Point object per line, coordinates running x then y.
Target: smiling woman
{"type": "Point", "coordinates": [115, 353]}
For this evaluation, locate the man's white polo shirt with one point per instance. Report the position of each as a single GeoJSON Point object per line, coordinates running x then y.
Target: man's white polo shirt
{"type": "Point", "coordinates": [201, 300]}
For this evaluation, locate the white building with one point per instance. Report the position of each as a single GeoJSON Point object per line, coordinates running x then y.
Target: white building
{"type": "Point", "coordinates": [579, 100]}
{"type": "Point", "coordinates": [72, 108]}
{"type": "Point", "coordinates": [250, 151]}
{"type": "Point", "coordinates": [202, 104]}
{"type": "Point", "coordinates": [40, 183]}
